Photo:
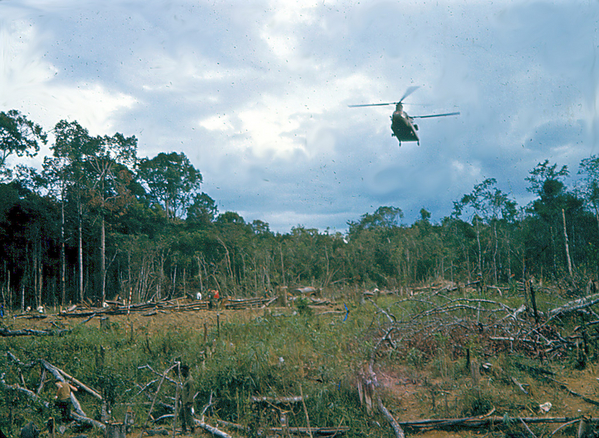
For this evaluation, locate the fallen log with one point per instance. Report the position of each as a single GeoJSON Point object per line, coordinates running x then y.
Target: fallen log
{"type": "Point", "coordinates": [33, 396]}
{"type": "Point", "coordinates": [519, 385]}
{"type": "Point", "coordinates": [278, 400]}
{"type": "Point", "coordinates": [316, 431]}
{"type": "Point", "coordinates": [61, 375]}
{"type": "Point", "coordinates": [4, 332]}
{"type": "Point", "coordinates": [30, 316]}
{"type": "Point", "coordinates": [80, 384]}
{"type": "Point", "coordinates": [396, 427]}
{"type": "Point", "coordinates": [479, 422]}
{"type": "Point", "coordinates": [213, 430]}
{"type": "Point", "coordinates": [575, 305]}
{"type": "Point", "coordinates": [565, 387]}
{"type": "Point", "coordinates": [87, 420]}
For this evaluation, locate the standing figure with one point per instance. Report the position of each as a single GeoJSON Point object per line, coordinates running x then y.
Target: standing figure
{"type": "Point", "coordinates": [63, 400]}
{"type": "Point", "coordinates": [187, 393]}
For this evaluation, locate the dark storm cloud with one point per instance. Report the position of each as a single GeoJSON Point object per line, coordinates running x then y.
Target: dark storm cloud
{"type": "Point", "coordinates": [256, 94]}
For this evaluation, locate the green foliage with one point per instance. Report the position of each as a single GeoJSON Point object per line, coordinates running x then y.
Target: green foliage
{"type": "Point", "coordinates": [303, 306]}
{"type": "Point", "coordinates": [172, 181]}
{"type": "Point", "coordinates": [474, 402]}
{"type": "Point", "coordinates": [18, 136]}
{"type": "Point", "coordinates": [102, 224]}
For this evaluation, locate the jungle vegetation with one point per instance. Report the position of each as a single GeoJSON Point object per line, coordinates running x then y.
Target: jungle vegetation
{"type": "Point", "coordinates": [98, 222]}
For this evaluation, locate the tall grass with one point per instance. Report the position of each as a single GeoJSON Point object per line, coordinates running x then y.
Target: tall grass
{"type": "Point", "coordinates": [277, 354]}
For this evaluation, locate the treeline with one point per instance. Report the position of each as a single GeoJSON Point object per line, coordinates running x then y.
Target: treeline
{"type": "Point", "coordinates": [97, 222]}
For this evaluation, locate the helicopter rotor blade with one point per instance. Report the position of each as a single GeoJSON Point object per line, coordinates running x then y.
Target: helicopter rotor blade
{"type": "Point", "coordinates": [409, 91]}
{"type": "Point", "coordinates": [435, 115]}
{"type": "Point", "coordinates": [372, 104]}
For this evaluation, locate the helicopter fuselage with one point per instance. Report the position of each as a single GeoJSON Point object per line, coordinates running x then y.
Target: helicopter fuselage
{"type": "Point", "coordinates": [403, 127]}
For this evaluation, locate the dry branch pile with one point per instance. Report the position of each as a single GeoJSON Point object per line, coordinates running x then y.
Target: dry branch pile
{"type": "Point", "coordinates": [492, 323]}
{"type": "Point", "coordinates": [435, 320]}
{"type": "Point", "coordinates": [161, 306]}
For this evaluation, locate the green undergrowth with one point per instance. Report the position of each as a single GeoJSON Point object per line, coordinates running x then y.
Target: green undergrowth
{"type": "Point", "coordinates": [287, 352]}
{"type": "Point", "coordinates": [281, 353]}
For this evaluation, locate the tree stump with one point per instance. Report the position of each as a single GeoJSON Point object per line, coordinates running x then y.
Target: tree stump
{"type": "Point", "coordinates": [115, 430]}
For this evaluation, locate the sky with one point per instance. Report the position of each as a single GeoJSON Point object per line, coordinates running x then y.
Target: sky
{"type": "Point", "coordinates": [256, 94]}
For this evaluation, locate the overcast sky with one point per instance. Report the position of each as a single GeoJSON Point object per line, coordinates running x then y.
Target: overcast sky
{"type": "Point", "coordinates": [256, 94]}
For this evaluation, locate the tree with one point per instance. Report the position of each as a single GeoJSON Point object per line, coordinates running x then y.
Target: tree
{"type": "Point", "coordinates": [487, 205]}
{"type": "Point", "coordinates": [172, 181]}
{"type": "Point", "coordinates": [66, 171]}
{"type": "Point", "coordinates": [110, 165]}
{"type": "Point", "coordinates": [18, 136]}
{"type": "Point", "coordinates": [589, 169]}
{"type": "Point", "coordinates": [202, 211]}
{"type": "Point", "coordinates": [383, 217]}
{"type": "Point", "coordinates": [543, 173]}
{"type": "Point", "coordinates": [555, 207]}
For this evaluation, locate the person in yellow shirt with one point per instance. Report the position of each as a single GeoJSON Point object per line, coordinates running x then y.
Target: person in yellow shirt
{"type": "Point", "coordinates": [63, 400]}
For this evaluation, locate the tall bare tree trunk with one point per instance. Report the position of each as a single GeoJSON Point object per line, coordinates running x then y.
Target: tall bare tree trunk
{"type": "Point", "coordinates": [80, 253]}
{"type": "Point", "coordinates": [40, 274]}
{"type": "Point", "coordinates": [63, 257]}
{"type": "Point", "coordinates": [480, 255]}
{"type": "Point", "coordinates": [495, 251]}
{"type": "Point", "coordinates": [282, 266]}
{"type": "Point", "coordinates": [34, 255]}
{"type": "Point", "coordinates": [103, 256]}
{"type": "Point", "coordinates": [566, 243]}
{"type": "Point", "coordinates": [200, 274]}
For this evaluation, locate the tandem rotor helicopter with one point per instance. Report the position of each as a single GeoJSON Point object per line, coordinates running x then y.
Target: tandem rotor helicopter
{"type": "Point", "coordinates": [402, 124]}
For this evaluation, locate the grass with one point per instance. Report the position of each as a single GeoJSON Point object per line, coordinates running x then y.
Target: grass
{"type": "Point", "coordinates": [282, 352]}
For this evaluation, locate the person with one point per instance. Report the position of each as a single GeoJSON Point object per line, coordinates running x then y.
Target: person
{"type": "Point", "coordinates": [217, 298]}
{"type": "Point", "coordinates": [187, 400]}
{"type": "Point", "coordinates": [63, 400]}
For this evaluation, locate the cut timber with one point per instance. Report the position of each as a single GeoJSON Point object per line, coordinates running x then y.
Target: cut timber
{"type": "Point", "coordinates": [32, 395]}
{"type": "Point", "coordinates": [316, 431]}
{"type": "Point", "coordinates": [86, 420]}
{"type": "Point", "coordinates": [396, 427]}
{"type": "Point", "coordinates": [564, 387]}
{"type": "Point", "coordinates": [575, 305]}
{"type": "Point", "coordinates": [478, 422]}
{"type": "Point", "coordinates": [61, 375]}
{"type": "Point", "coordinates": [278, 400]}
{"type": "Point", "coordinates": [519, 385]}
{"type": "Point", "coordinates": [4, 332]}
{"type": "Point", "coordinates": [213, 430]}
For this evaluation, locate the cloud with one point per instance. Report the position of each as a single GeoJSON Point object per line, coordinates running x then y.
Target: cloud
{"type": "Point", "coordinates": [33, 85]}
{"type": "Point", "coordinates": [256, 94]}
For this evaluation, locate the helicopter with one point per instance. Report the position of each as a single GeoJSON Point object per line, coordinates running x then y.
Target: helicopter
{"type": "Point", "coordinates": [402, 125]}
